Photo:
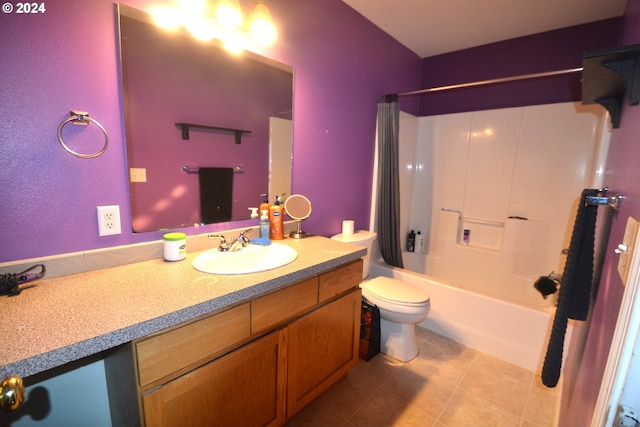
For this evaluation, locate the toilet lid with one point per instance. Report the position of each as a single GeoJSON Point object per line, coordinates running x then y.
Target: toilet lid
{"type": "Point", "coordinates": [395, 291]}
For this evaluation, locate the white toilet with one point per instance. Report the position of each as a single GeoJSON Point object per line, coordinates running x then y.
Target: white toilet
{"type": "Point", "coordinates": [401, 304]}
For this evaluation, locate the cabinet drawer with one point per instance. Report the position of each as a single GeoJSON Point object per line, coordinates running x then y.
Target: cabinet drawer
{"type": "Point", "coordinates": [176, 349]}
{"type": "Point", "coordinates": [270, 310]}
{"type": "Point", "coordinates": [340, 280]}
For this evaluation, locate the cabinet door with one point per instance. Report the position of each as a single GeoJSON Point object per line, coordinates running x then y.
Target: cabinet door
{"type": "Point", "coordinates": [323, 347]}
{"type": "Point", "coordinates": [243, 388]}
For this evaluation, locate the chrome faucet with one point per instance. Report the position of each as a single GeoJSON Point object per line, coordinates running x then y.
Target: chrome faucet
{"type": "Point", "coordinates": [242, 240]}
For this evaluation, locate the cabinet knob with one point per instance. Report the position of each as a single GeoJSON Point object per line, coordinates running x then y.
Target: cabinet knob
{"type": "Point", "coordinates": [11, 393]}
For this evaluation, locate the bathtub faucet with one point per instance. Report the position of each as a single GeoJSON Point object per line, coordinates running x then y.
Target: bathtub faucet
{"type": "Point", "coordinates": [555, 277]}
{"type": "Point", "coordinates": [548, 285]}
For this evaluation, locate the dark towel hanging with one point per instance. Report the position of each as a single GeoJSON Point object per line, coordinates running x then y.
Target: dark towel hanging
{"type": "Point", "coordinates": [575, 291]}
{"type": "Point", "coordinates": [216, 194]}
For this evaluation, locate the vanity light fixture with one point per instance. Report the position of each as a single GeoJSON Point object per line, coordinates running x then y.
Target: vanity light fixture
{"type": "Point", "coordinates": [222, 20]}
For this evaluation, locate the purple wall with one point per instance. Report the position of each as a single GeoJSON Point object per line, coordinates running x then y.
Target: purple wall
{"type": "Point", "coordinates": [550, 51]}
{"type": "Point", "coordinates": [622, 175]}
{"type": "Point", "coordinates": [66, 59]}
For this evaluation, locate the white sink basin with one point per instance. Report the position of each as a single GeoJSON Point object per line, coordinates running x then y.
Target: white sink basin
{"type": "Point", "coordinates": [252, 259]}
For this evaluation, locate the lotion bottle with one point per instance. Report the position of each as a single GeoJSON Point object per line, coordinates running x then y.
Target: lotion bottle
{"type": "Point", "coordinates": [276, 220]}
{"type": "Point", "coordinates": [264, 224]}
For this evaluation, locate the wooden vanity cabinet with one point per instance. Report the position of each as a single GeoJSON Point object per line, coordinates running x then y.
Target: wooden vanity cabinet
{"type": "Point", "coordinates": [244, 388]}
{"type": "Point", "coordinates": [323, 347]}
{"type": "Point", "coordinates": [255, 364]}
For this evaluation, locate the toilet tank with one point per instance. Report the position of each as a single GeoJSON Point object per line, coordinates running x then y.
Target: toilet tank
{"type": "Point", "coordinates": [361, 238]}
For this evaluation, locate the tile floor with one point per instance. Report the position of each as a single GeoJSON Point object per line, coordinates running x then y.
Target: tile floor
{"type": "Point", "coordinates": [447, 385]}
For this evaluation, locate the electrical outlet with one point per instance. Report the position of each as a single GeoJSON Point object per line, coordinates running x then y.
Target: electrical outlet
{"type": "Point", "coordinates": [108, 220]}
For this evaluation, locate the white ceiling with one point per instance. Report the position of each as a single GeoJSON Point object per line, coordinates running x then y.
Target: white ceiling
{"type": "Point", "coordinates": [432, 27]}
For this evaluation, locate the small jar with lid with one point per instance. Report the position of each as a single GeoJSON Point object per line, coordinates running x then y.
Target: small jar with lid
{"type": "Point", "coordinates": [175, 246]}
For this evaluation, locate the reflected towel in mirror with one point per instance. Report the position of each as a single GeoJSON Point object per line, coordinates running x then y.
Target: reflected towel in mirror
{"type": "Point", "coordinates": [216, 194]}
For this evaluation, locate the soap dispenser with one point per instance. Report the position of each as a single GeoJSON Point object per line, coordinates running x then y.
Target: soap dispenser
{"type": "Point", "coordinates": [264, 224]}
{"type": "Point", "coordinates": [265, 203]}
{"type": "Point", "coordinates": [276, 220]}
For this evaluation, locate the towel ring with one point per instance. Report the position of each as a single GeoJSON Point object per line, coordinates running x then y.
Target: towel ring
{"type": "Point", "coordinates": [82, 118]}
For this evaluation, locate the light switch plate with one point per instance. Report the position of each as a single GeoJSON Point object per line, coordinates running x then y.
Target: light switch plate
{"type": "Point", "coordinates": [626, 248]}
{"type": "Point", "coordinates": [138, 174]}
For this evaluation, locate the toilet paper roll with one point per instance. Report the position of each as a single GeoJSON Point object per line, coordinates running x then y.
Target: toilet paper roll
{"type": "Point", "coordinates": [347, 227]}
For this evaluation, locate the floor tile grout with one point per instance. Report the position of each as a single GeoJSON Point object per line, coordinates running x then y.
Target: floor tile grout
{"type": "Point", "coordinates": [372, 381]}
{"type": "Point", "coordinates": [456, 388]}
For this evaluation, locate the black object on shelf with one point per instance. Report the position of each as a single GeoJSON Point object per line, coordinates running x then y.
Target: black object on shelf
{"type": "Point", "coordinates": [186, 126]}
{"type": "Point", "coordinates": [608, 74]}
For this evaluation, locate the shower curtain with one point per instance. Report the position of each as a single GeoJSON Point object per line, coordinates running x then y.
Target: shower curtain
{"type": "Point", "coordinates": [389, 181]}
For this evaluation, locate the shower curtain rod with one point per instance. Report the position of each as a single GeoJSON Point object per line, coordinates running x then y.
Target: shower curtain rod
{"type": "Point", "coordinates": [488, 82]}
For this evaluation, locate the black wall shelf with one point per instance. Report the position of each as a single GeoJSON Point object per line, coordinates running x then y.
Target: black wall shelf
{"type": "Point", "coordinates": [607, 75]}
{"type": "Point", "coordinates": [186, 126]}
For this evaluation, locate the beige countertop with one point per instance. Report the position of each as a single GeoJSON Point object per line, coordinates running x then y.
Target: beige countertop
{"type": "Point", "coordinates": [66, 318]}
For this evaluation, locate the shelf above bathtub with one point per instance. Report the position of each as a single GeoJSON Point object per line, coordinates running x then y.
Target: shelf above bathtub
{"type": "Point", "coordinates": [607, 75]}
{"type": "Point", "coordinates": [482, 233]}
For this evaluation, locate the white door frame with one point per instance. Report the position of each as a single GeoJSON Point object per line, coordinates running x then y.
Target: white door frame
{"type": "Point", "coordinates": [622, 346]}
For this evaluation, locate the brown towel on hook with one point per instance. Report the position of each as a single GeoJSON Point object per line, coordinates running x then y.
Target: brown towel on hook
{"type": "Point", "coordinates": [574, 298]}
{"type": "Point", "coordinates": [216, 194]}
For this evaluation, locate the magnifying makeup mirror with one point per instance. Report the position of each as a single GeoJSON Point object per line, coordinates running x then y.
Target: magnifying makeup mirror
{"type": "Point", "coordinates": [298, 207]}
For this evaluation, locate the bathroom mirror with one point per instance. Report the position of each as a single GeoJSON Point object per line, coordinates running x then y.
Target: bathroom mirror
{"type": "Point", "coordinates": [170, 78]}
{"type": "Point", "coordinates": [298, 207]}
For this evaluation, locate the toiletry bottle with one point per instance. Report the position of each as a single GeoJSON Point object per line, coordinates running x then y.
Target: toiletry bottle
{"type": "Point", "coordinates": [175, 246]}
{"type": "Point", "coordinates": [264, 224]}
{"type": "Point", "coordinates": [465, 236]}
{"type": "Point", "coordinates": [254, 213]}
{"type": "Point", "coordinates": [264, 206]}
{"type": "Point", "coordinates": [411, 241]}
{"type": "Point", "coordinates": [276, 220]}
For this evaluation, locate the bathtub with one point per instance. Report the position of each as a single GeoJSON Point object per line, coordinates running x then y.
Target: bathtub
{"type": "Point", "coordinates": [510, 332]}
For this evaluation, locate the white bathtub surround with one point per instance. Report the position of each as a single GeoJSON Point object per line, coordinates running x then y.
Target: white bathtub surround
{"type": "Point", "coordinates": [512, 177]}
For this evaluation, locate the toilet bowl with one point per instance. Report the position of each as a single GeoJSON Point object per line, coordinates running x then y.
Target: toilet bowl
{"type": "Point", "coordinates": [401, 304]}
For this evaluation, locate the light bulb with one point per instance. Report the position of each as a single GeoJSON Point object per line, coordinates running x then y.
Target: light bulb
{"type": "Point", "coordinates": [229, 14]}
{"type": "Point", "coordinates": [202, 28]}
{"type": "Point", "coordinates": [166, 18]}
{"type": "Point", "coordinates": [262, 28]}
{"type": "Point", "coordinates": [233, 41]}
{"type": "Point", "coordinates": [192, 6]}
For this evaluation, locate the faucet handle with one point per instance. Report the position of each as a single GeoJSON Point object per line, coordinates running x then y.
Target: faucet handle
{"type": "Point", "coordinates": [219, 236]}
{"type": "Point", "coordinates": [243, 238]}
{"type": "Point", "coordinates": [223, 247]}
